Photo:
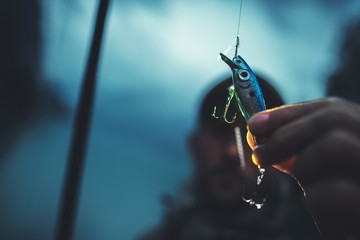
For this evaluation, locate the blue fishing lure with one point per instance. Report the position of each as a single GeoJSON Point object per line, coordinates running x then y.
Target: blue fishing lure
{"type": "Point", "coordinates": [245, 87]}
{"type": "Point", "coordinates": [250, 100]}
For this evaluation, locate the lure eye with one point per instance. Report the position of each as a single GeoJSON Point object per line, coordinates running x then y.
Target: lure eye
{"type": "Point", "coordinates": [244, 75]}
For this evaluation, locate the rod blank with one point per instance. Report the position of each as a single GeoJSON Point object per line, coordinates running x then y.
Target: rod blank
{"type": "Point", "coordinates": [75, 165]}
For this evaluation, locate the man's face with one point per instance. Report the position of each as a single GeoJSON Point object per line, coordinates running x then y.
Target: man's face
{"type": "Point", "coordinates": [218, 167]}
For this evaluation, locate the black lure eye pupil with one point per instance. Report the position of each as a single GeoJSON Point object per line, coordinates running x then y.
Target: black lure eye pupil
{"type": "Point", "coordinates": [244, 74]}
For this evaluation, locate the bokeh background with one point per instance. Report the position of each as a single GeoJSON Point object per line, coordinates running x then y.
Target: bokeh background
{"type": "Point", "coordinates": [158, 58]}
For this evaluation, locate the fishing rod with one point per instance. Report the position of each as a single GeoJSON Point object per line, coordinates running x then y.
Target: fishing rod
{"type": "Point", "coordinates": [75, 166]}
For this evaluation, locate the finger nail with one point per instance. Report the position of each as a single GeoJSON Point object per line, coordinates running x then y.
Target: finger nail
{"type": "Point", "coordinates": [254, 159]}
{"type": "Point", "coordinates": [250, 140]}
{"type": "Point", "coordinates": [257, 155]}
{"type": "Point", "coordinates": [258, 121]}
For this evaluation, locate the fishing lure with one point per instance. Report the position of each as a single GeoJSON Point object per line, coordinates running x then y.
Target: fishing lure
{"type": "Point", "coordinates": [247, 91]}
{"type": "Point", "coordinates": [250, 100]}
{"type": "Point", "coordinates": [245, 87]}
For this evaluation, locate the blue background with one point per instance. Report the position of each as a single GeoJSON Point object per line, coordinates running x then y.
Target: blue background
{"type": "Point", "coordinates": [158, 58]}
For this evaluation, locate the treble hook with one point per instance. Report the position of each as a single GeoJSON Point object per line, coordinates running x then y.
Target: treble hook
{"type": "Point", "coordinates": [228, 102]}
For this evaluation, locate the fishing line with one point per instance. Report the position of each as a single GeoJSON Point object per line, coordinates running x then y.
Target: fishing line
{"type": "Point", "coordinates": [238, 30]}
{"type": "Point", "coordinates": [239, 20]}
{"type": "Point", "coordinates": [236, 41]}
{"type": "Point", "coordinates": [228, 48]}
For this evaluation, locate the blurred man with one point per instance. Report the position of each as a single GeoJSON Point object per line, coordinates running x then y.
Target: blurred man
{"type": "Point", "coordinates": [211, 207]}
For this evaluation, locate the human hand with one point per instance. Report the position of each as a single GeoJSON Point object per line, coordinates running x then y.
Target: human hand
{"type": "Point", "coordinates": [318, 143]}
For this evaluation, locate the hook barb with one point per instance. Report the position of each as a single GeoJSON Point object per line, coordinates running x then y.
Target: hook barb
{"type": "Point", "coordinates": [228, 102]}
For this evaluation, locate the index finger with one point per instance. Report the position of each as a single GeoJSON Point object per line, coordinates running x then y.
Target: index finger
{"type": "Point", "coordinates": [267, 121]}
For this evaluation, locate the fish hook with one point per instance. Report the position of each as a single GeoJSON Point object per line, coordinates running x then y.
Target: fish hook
{"type": "Point", "coordinates": [228, 102]}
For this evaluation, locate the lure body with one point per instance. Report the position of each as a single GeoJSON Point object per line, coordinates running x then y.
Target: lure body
{"type": "Point", "coordinates": [248, 93]}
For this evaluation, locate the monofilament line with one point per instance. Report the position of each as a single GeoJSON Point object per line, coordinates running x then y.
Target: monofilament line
{"type": "Point", "coordinates": [237, 38]}
{"type": "Point", "coordinates": [239, 20]}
